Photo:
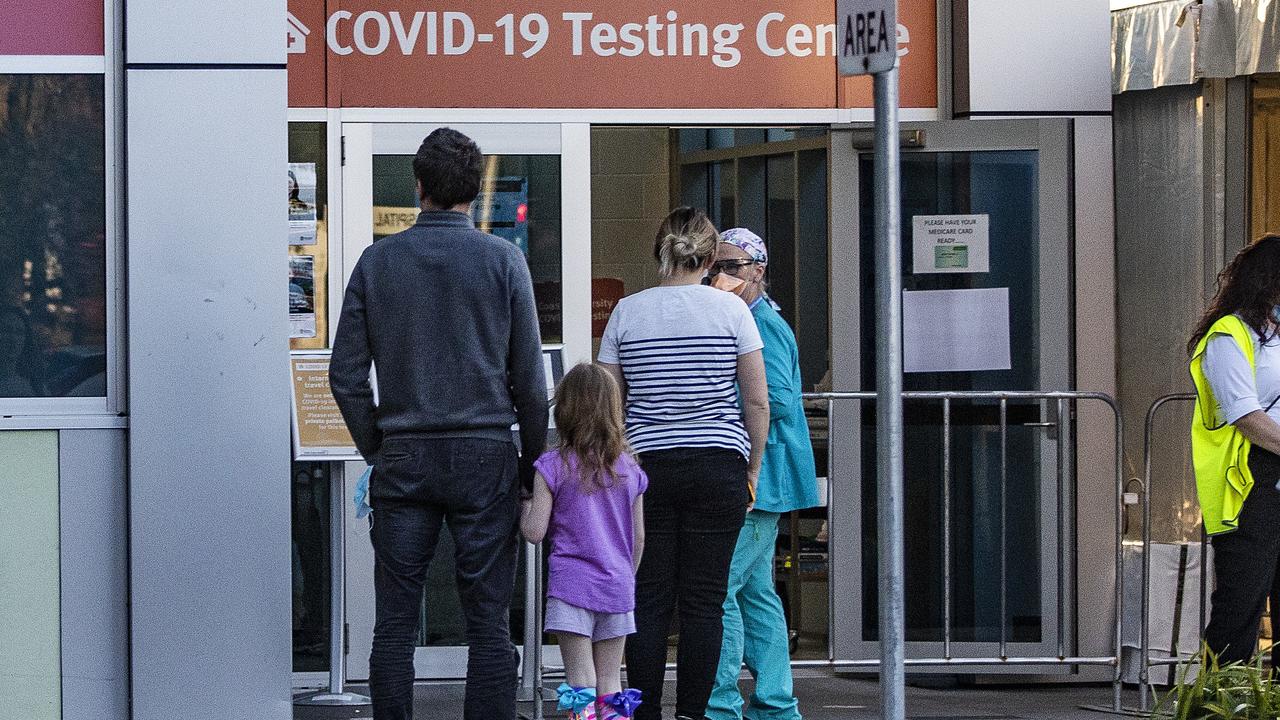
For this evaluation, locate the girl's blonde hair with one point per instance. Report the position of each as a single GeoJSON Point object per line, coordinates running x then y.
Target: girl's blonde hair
{"type": "Point", "coordinates": [588, 416]}
{"type": "Point", "coordinates": [686, 241]}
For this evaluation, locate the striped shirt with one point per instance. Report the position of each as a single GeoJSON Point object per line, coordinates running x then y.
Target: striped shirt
{"type": "Point", "coordinates": [678, 348]}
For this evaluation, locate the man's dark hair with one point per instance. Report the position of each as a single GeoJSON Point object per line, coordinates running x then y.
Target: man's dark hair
{"type": "Point", "coordinates": [449, 166]}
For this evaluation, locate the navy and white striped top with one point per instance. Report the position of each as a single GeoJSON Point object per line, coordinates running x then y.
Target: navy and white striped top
{"type": "Point", "coordinates": [678, 347]}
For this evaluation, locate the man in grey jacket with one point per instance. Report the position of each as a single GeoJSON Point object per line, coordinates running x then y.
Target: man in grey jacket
{"type": "Point", "coordinates": [446, 315]}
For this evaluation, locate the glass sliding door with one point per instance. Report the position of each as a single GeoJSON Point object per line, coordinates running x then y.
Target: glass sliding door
{"type": "Point", "coordinates": [521, 201]}
{"type": "Point", "coordinates": [987, 238]}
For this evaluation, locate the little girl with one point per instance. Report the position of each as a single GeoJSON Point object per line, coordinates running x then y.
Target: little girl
{"type": "Point", "coordinates": [587, 499]}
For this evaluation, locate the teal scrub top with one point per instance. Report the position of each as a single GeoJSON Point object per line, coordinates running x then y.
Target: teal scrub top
{"type": "Point", "coordinates": [788, 480]}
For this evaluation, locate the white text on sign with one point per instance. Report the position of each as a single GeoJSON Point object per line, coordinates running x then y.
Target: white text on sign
{"type": "Point", "coordinates": [450, 33]}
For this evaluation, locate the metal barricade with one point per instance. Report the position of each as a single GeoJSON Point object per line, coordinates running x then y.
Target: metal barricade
{"type": "Point", "coordinates": [1144, 632]}
{"type": "Point", "coordinates": [1064, 400]}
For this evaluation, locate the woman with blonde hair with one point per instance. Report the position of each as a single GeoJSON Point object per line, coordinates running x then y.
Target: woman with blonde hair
{"type": "Point", "coordinates": [682, 353]}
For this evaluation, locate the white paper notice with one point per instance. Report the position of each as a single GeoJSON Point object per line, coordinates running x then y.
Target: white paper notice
{"type": "Point", "coordinates": [955, 330]}
{"type": "Point", "coordinates": [302, 203]}
{"type": "Point", "coordinates": [950, 244]}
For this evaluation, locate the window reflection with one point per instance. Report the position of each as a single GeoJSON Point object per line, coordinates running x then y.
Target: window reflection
{"type": "Point", "coordinates": [52, 236]}
{"type": "Point", "coordinates": [519, 201]}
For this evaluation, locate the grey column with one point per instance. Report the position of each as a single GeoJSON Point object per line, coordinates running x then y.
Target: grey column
{"type": "Point", "coordinates": [209, 503]}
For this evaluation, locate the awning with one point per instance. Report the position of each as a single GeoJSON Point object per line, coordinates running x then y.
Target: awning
{"type": "Point", "coordinates": [1178, 42]}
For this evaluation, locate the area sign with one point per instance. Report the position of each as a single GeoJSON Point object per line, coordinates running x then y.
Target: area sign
{"type": "Point", "coordinates": [866, 36]}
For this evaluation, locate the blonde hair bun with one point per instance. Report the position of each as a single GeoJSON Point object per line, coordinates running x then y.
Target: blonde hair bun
{"type": "Point", "coordinates": [686, 241]}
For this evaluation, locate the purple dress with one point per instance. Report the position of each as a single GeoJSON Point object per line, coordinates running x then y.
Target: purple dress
{"type": "Point", "coordinates": [591, 534]}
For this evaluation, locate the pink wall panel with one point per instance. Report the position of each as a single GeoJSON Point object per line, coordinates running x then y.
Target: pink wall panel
{"type": "Point", "coordinates": [51, 27]}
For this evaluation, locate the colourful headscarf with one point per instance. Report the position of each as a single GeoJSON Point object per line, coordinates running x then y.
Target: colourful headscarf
{"type": "Point", "coordinates": [748, 242]}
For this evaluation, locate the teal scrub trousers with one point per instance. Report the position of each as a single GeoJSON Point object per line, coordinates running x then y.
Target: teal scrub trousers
{"type": "Point", "coordinates": [755, 631]}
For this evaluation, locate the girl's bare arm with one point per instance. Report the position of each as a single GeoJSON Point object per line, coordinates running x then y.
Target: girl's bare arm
{"type": "Point", "coordinates": [535, 513]}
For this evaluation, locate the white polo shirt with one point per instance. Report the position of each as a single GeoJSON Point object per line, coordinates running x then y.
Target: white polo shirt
{"type": "Point", "coordinates": [1237, 388]}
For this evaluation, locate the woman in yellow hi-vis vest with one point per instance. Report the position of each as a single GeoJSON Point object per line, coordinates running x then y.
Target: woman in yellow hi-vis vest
{"type": "Point", "coordinates": [1235, 440]}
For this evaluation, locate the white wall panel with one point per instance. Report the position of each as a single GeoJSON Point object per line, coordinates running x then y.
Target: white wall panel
{"type": "Point", "coordinates": [95, 574]}
{"type": "Point", "coordinates": [1038, 56]}
{"type": "Point", "coordinates": [197, 31]}
{"type": "Point", "coordinates": [209, 442]}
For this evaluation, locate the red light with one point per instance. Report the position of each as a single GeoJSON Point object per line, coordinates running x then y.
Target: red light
{"type": "Point", "coordinates": [522, 213]}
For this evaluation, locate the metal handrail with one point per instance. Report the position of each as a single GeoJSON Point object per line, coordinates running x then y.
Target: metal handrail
{"type": "Point", "coordinates": [1062, 399]}
{"type": "Point", "coordinates": [1144, 632]}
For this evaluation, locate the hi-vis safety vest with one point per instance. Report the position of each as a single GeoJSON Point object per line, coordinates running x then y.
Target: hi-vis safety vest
{"type": "Point", "coordinates": [1220, 452]}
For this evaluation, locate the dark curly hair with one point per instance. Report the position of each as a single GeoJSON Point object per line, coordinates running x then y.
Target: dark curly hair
{"type": "Point", "coordinates": [1249, 286]}
{"type": "Point", "coordinates": [449, 165]}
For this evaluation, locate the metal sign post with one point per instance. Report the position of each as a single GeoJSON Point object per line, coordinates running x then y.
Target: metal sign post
{"type": "Point", "coordinates": [867, 37]}
{"type": "Point", "coordinates": [889, 424]}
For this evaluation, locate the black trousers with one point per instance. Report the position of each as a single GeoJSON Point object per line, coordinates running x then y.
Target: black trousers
{"type": "Point", "coordinates": [693, 511]}
{"type": "Point", "coordinates": [417, 486]}
{"type": "Point", "coordinates": [1245, 568]}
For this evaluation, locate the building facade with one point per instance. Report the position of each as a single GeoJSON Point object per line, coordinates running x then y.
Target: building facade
{"type": "Point", "coordinates": [147, 413]}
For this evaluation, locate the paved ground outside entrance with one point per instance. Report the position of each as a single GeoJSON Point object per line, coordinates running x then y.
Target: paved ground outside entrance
{"type": "Point", "coordinates": [827, 697]}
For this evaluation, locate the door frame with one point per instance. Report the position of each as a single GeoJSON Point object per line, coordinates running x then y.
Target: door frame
{"type": "Point", "coordinates": [358, 142]}
{"type": "Point", "coordinates": [1052, 139]}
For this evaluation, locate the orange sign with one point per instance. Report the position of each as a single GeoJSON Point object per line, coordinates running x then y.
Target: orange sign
{"type": "Point", "coordinates": [605, 294]}
{"type": "Point", "coordinates": [593, 54]}
{"type": "Point", "coordinates": [917, 68]}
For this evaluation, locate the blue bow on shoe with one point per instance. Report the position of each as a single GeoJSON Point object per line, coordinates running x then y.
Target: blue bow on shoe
{"type": "Point", "coordinates": [625, 702]}
{"type": "Point", "coordinates": [575, 699]}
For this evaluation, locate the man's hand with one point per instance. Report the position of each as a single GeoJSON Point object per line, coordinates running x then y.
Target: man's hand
{"type": "Point", "coordinates": [527, 473]}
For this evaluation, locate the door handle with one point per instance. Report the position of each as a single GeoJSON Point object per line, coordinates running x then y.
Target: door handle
{"type": "Point", "coordinates": [1045, 425]}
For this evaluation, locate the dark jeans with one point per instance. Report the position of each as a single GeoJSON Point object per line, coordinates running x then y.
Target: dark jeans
{"type": "Point", "coordinates": [693, 511]}
{"type": "Point", "coordinates": [417, 485]}
{"type": "Point", "coordinates": [1244, 568]}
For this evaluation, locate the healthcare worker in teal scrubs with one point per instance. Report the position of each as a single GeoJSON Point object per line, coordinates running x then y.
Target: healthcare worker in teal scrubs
{"type": "Point", "coordinates": [755, 628]}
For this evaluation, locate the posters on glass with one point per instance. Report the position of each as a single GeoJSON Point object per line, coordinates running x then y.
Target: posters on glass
{"type": "Point", "coordinates": [319, 431]}
{"type": "Point", "coordinates": [951, 244]}
{"type": "Point", "coordinates": [502, 209]}
{"type": "Point", "coordinates": [302, 203]}
{"type": "Point", "coordinates": [302, 296]}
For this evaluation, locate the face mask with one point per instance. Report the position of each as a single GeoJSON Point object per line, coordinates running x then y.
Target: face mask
{"type": "Point", "coordinates": [361, 497]}
{"type": "Point", "coordinates": [728, 283]}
